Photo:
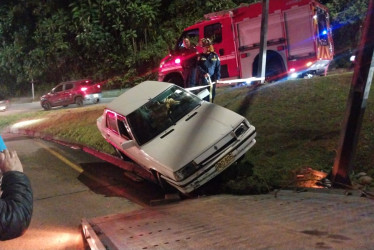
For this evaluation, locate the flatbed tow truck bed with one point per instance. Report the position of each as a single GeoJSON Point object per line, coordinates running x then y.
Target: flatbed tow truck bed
{"type": "Point", "coordinates": [288, 220]}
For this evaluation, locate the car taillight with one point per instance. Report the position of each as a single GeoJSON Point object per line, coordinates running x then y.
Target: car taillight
{"type": "Point", "coordinates": [83, 88]}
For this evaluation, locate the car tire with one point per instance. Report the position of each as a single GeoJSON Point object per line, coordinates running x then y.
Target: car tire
{"type": "Point", "coordinates": [166, 187]}
{"type": "Point", "coordinates": [46, 105]}
{"type": "Point", "coordinates": [79, 101]}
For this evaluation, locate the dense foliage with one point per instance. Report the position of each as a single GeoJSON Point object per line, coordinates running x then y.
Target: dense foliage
{"type": "Point", "coordinates": [49, 41]}
{"type": "Point", "coordinates": [347, 20]}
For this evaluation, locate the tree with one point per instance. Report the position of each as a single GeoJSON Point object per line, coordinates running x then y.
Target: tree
{"type": "Point", "coordinates": [347, 18]}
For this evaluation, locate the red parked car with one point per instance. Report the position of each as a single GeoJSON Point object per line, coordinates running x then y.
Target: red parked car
{"type": "Point", "coordinates": [77, 92]}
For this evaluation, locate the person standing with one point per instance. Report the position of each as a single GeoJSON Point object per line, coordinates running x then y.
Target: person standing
{"type": "Point", "coordinates": [189, 54]}
{"type": "Point", "coordinates": [16, 203]}
{"type": "Point", "coordinates": [209, 66]}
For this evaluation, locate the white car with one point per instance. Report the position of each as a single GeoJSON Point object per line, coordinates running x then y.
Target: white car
{"type": "Point", "coordinates": [174, 134]}
{"type": "Point", "coordinates": [4, 104]}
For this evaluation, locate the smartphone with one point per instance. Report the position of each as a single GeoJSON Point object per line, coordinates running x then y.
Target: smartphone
{"type": "Point", "coordinates": [2, 144]}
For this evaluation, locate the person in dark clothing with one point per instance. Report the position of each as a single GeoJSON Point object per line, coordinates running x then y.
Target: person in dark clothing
{"type": "Point", "coordinates": [189, 54]}
{"type": "Point", "coordinates": [209, 65]}
{"type": "Point", "coordinates": [16, 203]}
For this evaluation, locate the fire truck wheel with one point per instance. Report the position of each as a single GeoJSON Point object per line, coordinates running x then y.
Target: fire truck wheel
{"type": "Point", "coordinates": [176, 79]}
{"type": "Point", "coordinates": [275, 68]}
{"type": "Point", "coordinates": [274, 71]}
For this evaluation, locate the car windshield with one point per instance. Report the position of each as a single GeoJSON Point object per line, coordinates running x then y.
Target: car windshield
{"type": "Point", "coordinates": [160, 113]}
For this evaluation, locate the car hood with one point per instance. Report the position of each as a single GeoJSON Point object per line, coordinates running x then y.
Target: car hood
{"type": "Point", "coordinates": [45, 96]}
{"type": "Point", "coordinates": [191, 138]}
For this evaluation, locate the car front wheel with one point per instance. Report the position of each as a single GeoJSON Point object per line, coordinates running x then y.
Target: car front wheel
{"type": "Point", "coordinates": [46, 105]}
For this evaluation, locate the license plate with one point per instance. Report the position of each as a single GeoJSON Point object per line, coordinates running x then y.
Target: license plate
{"type": "Point", "coordinates": [224, 162]}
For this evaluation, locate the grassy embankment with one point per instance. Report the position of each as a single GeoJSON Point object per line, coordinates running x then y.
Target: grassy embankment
{"type": "Point", "coordinates": [298, 125]}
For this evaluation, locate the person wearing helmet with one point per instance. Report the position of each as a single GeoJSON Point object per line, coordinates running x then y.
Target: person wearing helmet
{"type": "Point", "coordinates": [209, 65]}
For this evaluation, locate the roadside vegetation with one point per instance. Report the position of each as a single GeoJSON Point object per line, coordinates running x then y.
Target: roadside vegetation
{"type": "Point", "coordinates": [118, 42]}
{"type": "Point", "coordinates": [298, 125]}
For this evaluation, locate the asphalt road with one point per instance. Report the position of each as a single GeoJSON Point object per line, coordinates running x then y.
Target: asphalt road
{"type": "Point", "coordinates": [35, 106]}
{"type": "Point", "coordinates": [69, 185]}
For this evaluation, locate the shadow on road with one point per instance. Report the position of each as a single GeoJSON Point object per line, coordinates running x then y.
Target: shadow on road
{"type": "Point", "coordinates": [109, 180]}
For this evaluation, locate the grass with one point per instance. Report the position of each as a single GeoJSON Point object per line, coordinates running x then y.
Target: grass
{"type": "Point", "coordinates": [298, 125]}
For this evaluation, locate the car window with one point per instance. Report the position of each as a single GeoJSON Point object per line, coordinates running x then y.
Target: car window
{"type": "Point", "coordinates": [192, 35]}
{"type": "Point", "coordinates": [213, 32]}
{"type": "Point", "coordinates": [160, 113]}
{"type": "Point", "coordinates": [57, 89]}
{"type": "Point", "coordinates": [111, 121]}
{"type": "Point", "coordinates": [122, 127]}
{"type": "Point", "coordinates": [69, 86]}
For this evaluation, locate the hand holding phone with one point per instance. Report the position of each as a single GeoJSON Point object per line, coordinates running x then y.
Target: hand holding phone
{"type": "Point", "coordinates": [9, 160]}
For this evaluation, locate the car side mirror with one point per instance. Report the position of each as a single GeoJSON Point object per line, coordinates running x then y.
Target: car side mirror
{"type": "Point", "coordinates": [203, 94]}
{"type": "Point", "coordinates": [127, 144]}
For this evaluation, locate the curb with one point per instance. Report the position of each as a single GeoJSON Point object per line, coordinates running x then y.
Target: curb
{"type": "Point", "coordinates": [125, 165]}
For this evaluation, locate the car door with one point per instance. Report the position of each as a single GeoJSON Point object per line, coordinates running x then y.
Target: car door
{"type": "Point", "coordinates": [56, 97]}
{"type": "Point", "coordinates": [118, 133]}
{"type": "Point", "coordinates": [67, 95]}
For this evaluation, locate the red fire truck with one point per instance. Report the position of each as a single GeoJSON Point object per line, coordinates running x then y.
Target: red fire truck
{"type": "Point", "coordinates": [299, 41]}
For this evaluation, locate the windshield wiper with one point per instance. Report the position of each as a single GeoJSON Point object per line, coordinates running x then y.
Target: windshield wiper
{"type": "Point", "coordinates": [167, 133]}
{"type": "Point", "coordinates": [188, 118]}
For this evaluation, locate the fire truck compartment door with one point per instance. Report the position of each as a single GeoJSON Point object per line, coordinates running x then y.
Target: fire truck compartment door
{"type": "Point", "coordinates": [299, 31]}
{"type": "Point", "coordinates": [250, 30]}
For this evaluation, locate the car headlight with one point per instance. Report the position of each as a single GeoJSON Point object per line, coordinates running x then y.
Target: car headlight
{"type": "Point", "coordinates": [186, 171]}
{"type": "Point", "coordinates": [241, 129]}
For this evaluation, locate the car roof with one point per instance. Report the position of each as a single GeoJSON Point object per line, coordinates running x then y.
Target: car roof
{"type": "Point", "coordinates": [75, 81]}
{"type": "Point", "coordinates": [137, 96]}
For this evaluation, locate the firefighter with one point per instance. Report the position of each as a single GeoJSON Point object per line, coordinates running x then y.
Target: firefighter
{"type": "Point", "coordinates": [209, 66]}
{"type": "Point", "coordinates": [189, 53]}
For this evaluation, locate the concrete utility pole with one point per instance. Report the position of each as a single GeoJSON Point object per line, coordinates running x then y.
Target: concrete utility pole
{"type": "Point", "coordinates": [263, 40]}
{"type": "Point", "coordinates": [358, 95]}
{"type": "Point", "coordinates": [32, 89]}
